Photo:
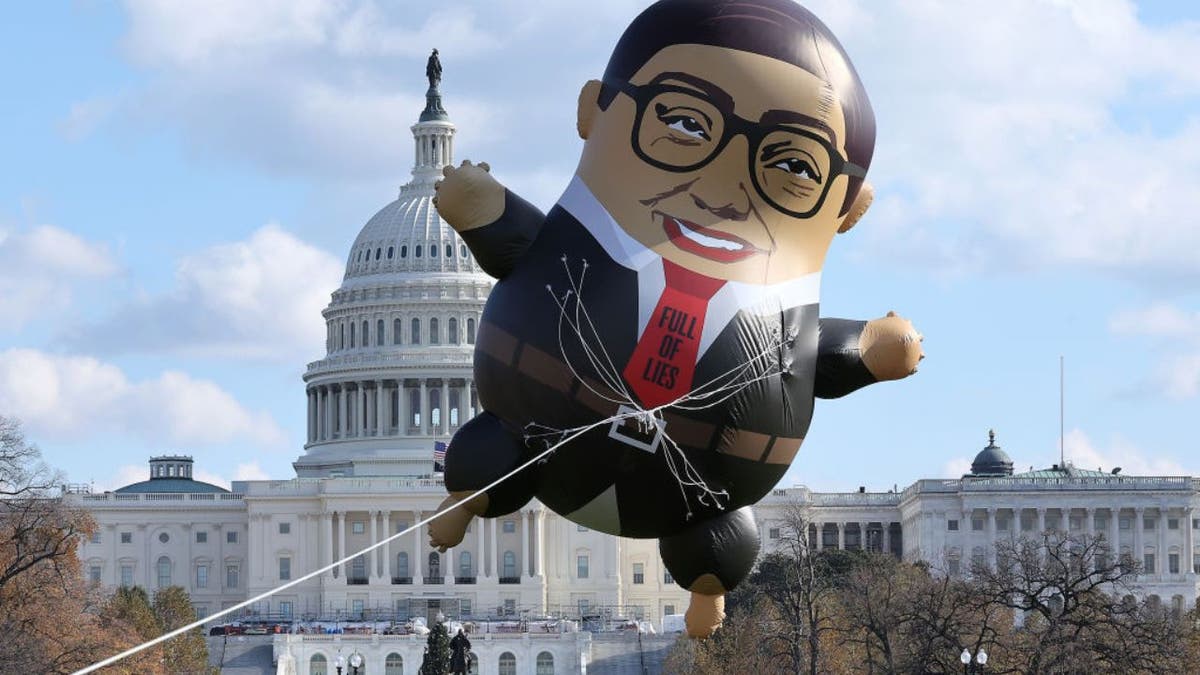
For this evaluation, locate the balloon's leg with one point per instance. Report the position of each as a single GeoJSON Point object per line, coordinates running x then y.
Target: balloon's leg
{"type": "Point", "coordinates": [709, 558]}
{"type": "Point", "coordinates": [482, 452]}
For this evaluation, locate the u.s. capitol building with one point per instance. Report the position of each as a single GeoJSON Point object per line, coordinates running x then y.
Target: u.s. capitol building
{"type": "Point", "coordinates": [397, 378]}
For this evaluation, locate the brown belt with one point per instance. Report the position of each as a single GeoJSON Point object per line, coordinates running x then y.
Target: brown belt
{"type": "Point", "coordinates": [549, 370]}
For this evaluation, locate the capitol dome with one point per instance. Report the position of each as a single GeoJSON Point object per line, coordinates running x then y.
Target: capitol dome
{"type": "Point", "coordinates": [396, 379]}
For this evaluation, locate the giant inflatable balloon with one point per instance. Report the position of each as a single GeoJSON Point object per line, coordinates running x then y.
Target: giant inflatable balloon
{"type": "Point", "coordinates": [662, 318]}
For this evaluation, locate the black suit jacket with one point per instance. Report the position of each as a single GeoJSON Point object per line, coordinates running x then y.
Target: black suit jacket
{"type": "Point", "coordinates": [539, 373]}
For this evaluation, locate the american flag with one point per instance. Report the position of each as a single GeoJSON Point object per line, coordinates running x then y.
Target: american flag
{"type": "Point", "coordinates": [439, 452]}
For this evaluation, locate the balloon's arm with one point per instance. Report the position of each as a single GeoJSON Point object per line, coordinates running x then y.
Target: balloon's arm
{"type": "Point", "coordinates": [498, 245]}
{"type": "Point", "coordinates": [840, 367]}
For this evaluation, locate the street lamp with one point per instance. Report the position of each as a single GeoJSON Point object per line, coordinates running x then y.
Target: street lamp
{"type": "Point", "coordinates": [340, 663]}
{"type": "Point", "coordinates": [356, 662]}
{"type": "Point", "coordinates": [981, 658]}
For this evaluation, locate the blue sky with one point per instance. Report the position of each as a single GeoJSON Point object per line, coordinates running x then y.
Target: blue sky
{"type": "Point", "coordinates": [183, 180]}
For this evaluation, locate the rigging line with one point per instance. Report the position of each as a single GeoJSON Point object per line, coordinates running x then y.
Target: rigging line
{"type": "Point", "coordinates": [200, 622]}
{"type": "Point", "coordinates": [613, 381]}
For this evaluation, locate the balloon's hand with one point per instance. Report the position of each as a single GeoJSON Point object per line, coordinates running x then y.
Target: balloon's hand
{"type": "Point", "coordinates": [468, 197]}
{"type": "Point", "coordinates": [891, 347]}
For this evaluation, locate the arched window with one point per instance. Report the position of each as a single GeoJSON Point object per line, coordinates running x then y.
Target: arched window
{"type": "Point", "coordinates": [417, 251]}
{"type": "Point", "coordinates": [471, 331]}
{"type": "Point", "coordinates": [342, 343]}
{"type": "Point", "coordinates": [435, 564]}
{"type": "Point", "coordinates": [366, 336]}
{"type": "Point", "coordinates": [462, 250]}
{"type": "Point", "coordinates": [454, 407]}
{"type": "Point", "coordinates": [452, 327]}
{"type": "Point", "coordinates": [545, 664]}
{"type": "Point", "coordinates": [164, 571]}
{"type": "Point", "coordinates": [402, 564]}
{"type": "Point", "coordinates": [435, 406]}
{"type": "Point", "coordinates": [391, 252]}
{"type": "Point", "coordinates": [359, 255]}
{"type": "Point", "coordinates": [510, 564]}
{"type": "Point", "coordinates": [449, 251]}
{"type": "Point", "coordinates": [404, 251]}
{"type": "Point", "coordinates": [473, 666]}
{"type": "Point", "coordinates": [464, 564]}
{"type": "Point", "coordinates": [352, 335]}
{"type": "Point", "coordinates": [379, 333]}
{"type": "Point", "coordinates": [433, 250]}
{"type": "Point", "coordinates": [416, 332]}
{"type": "Point", "coordinates": [397, 329]}
{"type": "Point", "coordinates": [393, 664]}
{"type": "Point", "coordinates": [317, 665]}
{"type": "Point", "coordinates": [434, 334]}
{"type": "Point", "coordinates": [378, 253]}
{"type": "Point", "coordinates": [508, 664]}
{"type": "Point", "coordinates": [414, 406]}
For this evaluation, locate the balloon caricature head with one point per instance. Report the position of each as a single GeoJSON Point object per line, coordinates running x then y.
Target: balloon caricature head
{"type": "Point", "coordinates": [732, 138]}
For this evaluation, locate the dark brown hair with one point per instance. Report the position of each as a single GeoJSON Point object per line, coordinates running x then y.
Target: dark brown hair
{"type": "Point", "coordinates": [779, 29]}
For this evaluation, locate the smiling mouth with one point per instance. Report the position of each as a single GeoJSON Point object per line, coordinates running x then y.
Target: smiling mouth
{"type": "Point", "coordinates": [706, 242]}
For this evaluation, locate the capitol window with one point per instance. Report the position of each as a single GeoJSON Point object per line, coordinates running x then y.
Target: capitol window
{"type": "Point", "coordinates": [581, 567]}
{"type": "Point", "coordinates": [231, 576]}
{"type": "Point", "coordinates": [126, 538]}
{"type": "Point", "coordinates": [358, 527]}
{"type": "Point", "coordinates": [432, 250]}
{"type": "Point", "coordinates": [508, 664]}
{"type": "Point", "coordinates": [952, 525]}
{"type": "Point", "coordinates": [231, 537]}
{"type": "Point", "coordinates": [1172, 523]}
{"type": "Point", "coordinates": [352, 335]}
{"type": "Point", "coordinates": [126, 575]}
{"type": "Point", "coordinates": [452, 327]}
{"type": "Point", "coordinates": [378, 253]}
{"type": "Point", "coordinates": [285, 528]}
{"type": "Point", "coordinates": [94, 574]}
{"type": "Point", "coordinates": [470, 331]}
{"type": "Point", "coordinates": [416, 331]}
{"type": "Point", "coordinates": [164, 538]}
{"type": "Point", "coordinates": [417, 251]}
{"type": "Point", "coordinates": [434, 333]}
{"type": "Point", "coordinates": [202, 576]}
{"type": "Point", "coordinates": [404, 251]}
{"type": "Point", "coordinates": [639, 573]}
{"type": "Point", "coordinates": [391, 251]}
{"type": "Point", "coordinates": [509, 525]}
{"type": "Point", "coordinates": [164, 572]}
{"type": "Point", "coordinates": [379, 337]}
{"type": "Point", "coordinates": [397, 329]}
{"type": "Point", "coordinates": [366, 334]}
{"type": "Point", "coordinates": [201, 537]}
{"type": "Point", "coordinates": [977, 524]}
{"type": "Point", "coordinates": [462, 250]}
{"type": "Point", "coordinates": [1148, 523]}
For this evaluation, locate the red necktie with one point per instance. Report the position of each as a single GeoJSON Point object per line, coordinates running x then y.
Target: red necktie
{"type": "Point", "coordinates": [664, 360]}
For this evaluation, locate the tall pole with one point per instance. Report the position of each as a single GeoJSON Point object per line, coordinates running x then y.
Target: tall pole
{"type": "Point", "coordinates": [1062, 436]}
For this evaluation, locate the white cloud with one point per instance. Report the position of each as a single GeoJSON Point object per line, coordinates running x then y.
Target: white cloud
{"type": "Point", "coordinates": [124, 475]}
{"type": "Point", "coordinates": [40, 269]}
{"type": "Point", "coordinates": [1014, 136]}
{"type": "Point", "coordinates": [956, 467]}
{"type": "Point", "coordinates": [85, 116]}
{"type": "Point", "coordinates": [259, 299]}
{"type": "Point", "coordinates": [1083, 453]}
{"type": "Point", "coordinates": [1178, 331]}
{"type": "Point", "coordinates": [64, 398]}
{"type": "Point", "coordinates": [1160, 320]}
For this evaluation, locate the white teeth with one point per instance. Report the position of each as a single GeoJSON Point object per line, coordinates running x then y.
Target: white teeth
{"type": "Point", "coordinates": [704, 240]}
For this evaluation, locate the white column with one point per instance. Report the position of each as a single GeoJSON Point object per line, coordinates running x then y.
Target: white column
{"type": "Point", "coordinates": [341, 552]}
{"type": "Point", "coordinates": [372, 559]}
{"type": "Point", "coordinates": [448, 568]}
{"type": "Point", "coordinates": [887, 537]}
{"type": "Point", "coordinates": [481, 568]}
{"type": "Point", "coordinates": [325, 547]}
{"type": "Point", "coordinates": [385, 552]}
{"type": "Point", "coordinates": [445, 421]}
{"type": "Point", "coordinates": [540, 556]}
{"type": "Point", "coordinates": [991, 515]}
{"type": "Point", "coordinates": [1089, 525]}
{"type": "Point", "coordinates": [524, 543]}
{"type": "Point", "coordinates": [424, 410]}
{"type": "Point", "coordinates": [311, 415]}
{"type": "Point", "coordinates": [1041, 513]}
{"type": "Point", "coordinates": [1138, 534]}
{"type": "Point", "coordinates": [419, 546]}
{"type": "Point", "coordinates": [328, 418]}
{"type": "Point", "coordinates": [495, 548]}
{"type": "Point", "coordinates": [1189, 559]}
{"type": "Point", "coordinates": [343, 426]}
{"type": "Point", "coordinates": [841, 536]}
{"type": "Point", "coordinates": [1114, 533]}
{"type": "Point", "coordinates": [322, 412]}
{"type": "Point", "coordinates": [1160, 559]}
{"type": "Point", "coordinates": [381, 409]}
{"type": "Point", "coordinates": [464, 401]}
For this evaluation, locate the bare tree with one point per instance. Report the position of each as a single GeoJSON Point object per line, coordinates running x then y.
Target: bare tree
{"type": "Point", "coordinates": [1073, 598]}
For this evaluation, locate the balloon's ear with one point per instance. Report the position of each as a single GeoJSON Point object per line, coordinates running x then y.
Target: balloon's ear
{"type": "Point", "coordinates": [866, 195]}
{"type": "Point", "coordinates": [589, 107]}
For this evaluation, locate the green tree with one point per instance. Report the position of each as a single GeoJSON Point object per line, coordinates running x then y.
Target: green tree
{"type": "Point", "coordinates": [437, 651]}
{"type": "Point", "coordinates": [187, 653]}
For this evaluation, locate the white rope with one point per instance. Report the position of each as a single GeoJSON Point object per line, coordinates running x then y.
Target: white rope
{"type": "Point", "coordinates": [197, 624]}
